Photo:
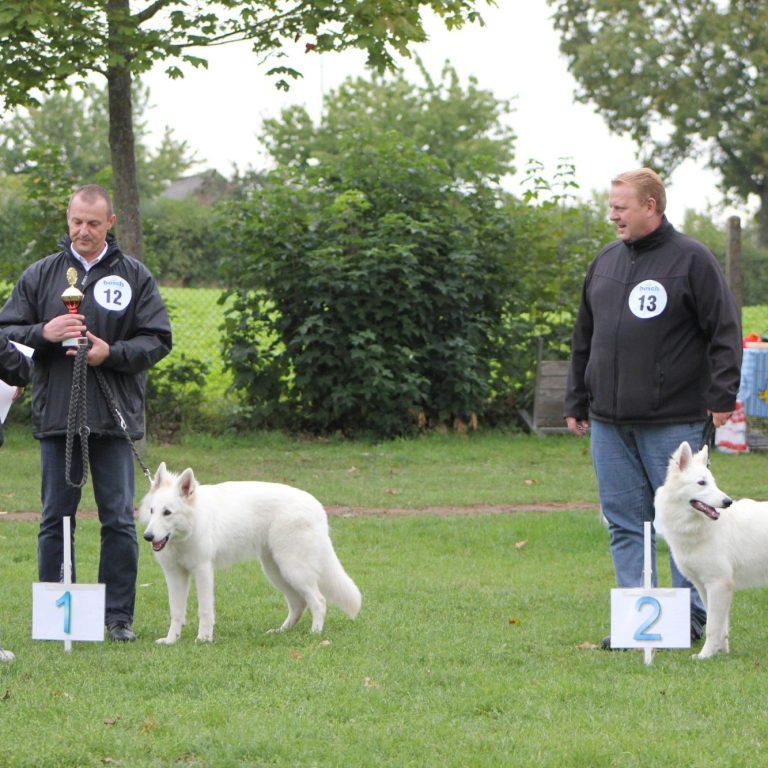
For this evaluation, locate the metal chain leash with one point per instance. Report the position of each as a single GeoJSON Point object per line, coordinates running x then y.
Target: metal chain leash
{"type": "Point", "coordinates": [76, 419]}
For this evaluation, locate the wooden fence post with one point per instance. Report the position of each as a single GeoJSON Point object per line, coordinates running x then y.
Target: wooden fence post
{"type": "Point", "coordinates": [733, 268]}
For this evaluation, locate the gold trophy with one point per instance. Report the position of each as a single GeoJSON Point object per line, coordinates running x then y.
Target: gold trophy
{"type": "Point", "coordinates": [72, 297]}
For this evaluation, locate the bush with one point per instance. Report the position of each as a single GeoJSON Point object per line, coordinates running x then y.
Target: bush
{"type": "Point", "coordinates": [174, 397]}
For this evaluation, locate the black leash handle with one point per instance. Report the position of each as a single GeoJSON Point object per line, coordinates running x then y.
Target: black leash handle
{"type": "Point", "coordinates": [77, 416]}
{"type": "Point", "coordinates": [708, 436]}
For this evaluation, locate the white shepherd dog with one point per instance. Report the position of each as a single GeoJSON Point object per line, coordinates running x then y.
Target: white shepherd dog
{"type": "Point", "coordinates": [719, 551]}
{"type": "Point", "coordinates": [195, 529]}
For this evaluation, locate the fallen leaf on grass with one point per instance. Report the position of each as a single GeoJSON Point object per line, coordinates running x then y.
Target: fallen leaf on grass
{"type": "Point", "coordinates": [529, 482]}
{"type": "Point", "coordinates": [521, 544]}
{"type": "Point", "coordinates": [148, 725]}
{"type": "Point", "coordinates": [393, 491]}
{"type": "Point", "coordinates": [294, 654]}
{"type": "Point", "coordinates": [369, 683]}
{"type": "Point", "coordinates": [324, 643]}
{"type": "Point", "coordinates": [514, 620]}
{"type": "Point", "coordinates": [110, 721]}
{"type": "Point", "coordinates": [6, 695]}
{"type": "Point", "coordinates": [63, 695]}
{"type": "Point", "coordinates": [352, 470]}
{"type": "Point", "coordinates": [587, 646]}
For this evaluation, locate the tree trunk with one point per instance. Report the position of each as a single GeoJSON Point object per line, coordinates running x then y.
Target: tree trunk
{"type": "Point", "coordinates": [121, 139]}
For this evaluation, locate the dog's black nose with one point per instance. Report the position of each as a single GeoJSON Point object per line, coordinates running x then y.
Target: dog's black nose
{"type": "Point", "coordinates": [726, 502]}
{"type": "Point", "coordinates": [150, 537]}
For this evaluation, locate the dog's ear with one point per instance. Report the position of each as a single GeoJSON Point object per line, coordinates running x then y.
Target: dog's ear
{"type": "Point", "coordinates": [159, 475]}
{"type": "Point", "coordinates": [683, 456]}
{"type": "Point", "coordinates": [187, 483]}
{"type": "Point", "coordinates": [703, 455]}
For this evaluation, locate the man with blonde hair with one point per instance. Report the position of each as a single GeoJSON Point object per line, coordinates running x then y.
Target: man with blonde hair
{"type": "Point", "coordinates": [656, 354]}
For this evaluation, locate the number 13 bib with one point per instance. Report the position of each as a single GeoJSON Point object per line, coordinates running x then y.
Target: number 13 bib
{"type": "Point", "coordinates": [647, 299]}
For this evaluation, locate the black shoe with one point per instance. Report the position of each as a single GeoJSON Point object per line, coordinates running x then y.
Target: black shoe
{"type": "Point", "coordinates": [697, 631]}
{"type": "Point", "coordinates": [121, 631]}
{"type": "Point", "coordinates": [605, 645]}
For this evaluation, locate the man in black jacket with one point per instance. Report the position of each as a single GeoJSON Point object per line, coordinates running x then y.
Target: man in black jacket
{"type": "Point", "coordinates": [126, 324]}
{"type": "Point", "coordinates": [656, 352]}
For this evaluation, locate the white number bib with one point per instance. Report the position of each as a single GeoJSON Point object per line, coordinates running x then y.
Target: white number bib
{"type": "Point", "coordinates": [647, 299]}
{"type": "Point", "coordinates": [113, 293]}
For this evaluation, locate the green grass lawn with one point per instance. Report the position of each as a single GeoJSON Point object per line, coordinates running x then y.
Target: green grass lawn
{"type": "Point", "coordinates": [466, 652]}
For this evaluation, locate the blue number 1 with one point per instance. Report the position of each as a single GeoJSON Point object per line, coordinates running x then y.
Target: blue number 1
{"type": "Point", "coordinates": [641, 634]}
{"type": "Point", "coordinates": [66, 601]}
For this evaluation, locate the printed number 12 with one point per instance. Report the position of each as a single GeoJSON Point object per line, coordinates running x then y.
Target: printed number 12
{"type": "Point", "coordinates": [642, 635]}
{"type": "Point", "coordinates": [66, 601]}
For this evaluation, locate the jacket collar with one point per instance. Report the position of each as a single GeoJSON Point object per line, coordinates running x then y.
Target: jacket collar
{"type": "Point", "coordinates": [653, 239]}
{"type": "Point", "coordinates": [111, 258]}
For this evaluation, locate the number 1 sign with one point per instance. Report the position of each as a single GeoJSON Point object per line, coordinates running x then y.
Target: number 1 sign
{"type": "Point", "coordinates": [67, 611]}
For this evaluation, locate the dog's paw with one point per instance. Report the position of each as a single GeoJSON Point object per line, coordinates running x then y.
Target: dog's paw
{"type": "Point", "coordinates": [708, 653]}
{"type": "Point", "coordinates": [204, 638]}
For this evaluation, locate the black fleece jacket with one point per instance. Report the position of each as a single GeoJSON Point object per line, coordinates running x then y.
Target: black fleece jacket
{"type": "Point", "coordinates": [657, 337]}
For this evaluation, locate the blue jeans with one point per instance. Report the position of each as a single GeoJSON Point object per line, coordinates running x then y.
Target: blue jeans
{"type": "Point", "coordinates": [630, 464]}
{"type": "Point", "coordinates": [112, 475]}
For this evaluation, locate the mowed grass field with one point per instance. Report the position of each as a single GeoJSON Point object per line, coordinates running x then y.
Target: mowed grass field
{"type": "Point", "coordinates": [475, 645]}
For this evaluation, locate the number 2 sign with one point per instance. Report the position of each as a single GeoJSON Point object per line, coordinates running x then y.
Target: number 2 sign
{"type": "Point", "coordinates": [650, 618]}
{"type": "Point", "coordinates": [67, 611]}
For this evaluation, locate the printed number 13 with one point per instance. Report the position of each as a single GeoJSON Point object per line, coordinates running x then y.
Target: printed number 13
{"type": "Point", "coordinates": [66, 601]}
{"type": "Point", "coordinates": [642, 634]}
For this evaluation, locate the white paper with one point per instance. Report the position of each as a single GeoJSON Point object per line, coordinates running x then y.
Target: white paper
{"type": "Point", "coordinates": [6, 390]}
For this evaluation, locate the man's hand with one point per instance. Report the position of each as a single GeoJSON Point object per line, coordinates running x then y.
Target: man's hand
{"type": "Point", "coordinates": [98, 350]}
{"type": "Point", "coordinates": [64, 327]}
{"type": "Point", "coordinates": [720, 418]}
{"type": "Point", "coordinates": [579, 427]}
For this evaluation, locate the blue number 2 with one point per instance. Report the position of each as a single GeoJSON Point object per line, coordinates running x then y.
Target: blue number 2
{"type": "Point", "coordinates": [66, 601]}
{"type": "Point", "coordinates": [642, 631]}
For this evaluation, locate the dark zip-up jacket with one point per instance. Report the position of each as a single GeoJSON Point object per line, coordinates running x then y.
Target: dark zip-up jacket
{"type": "Point", "coordinates": [121, 305]}
{"type": "Point", "coordinates": [657, 338]}
{"type": "Point", "coordinates": [15, 369]}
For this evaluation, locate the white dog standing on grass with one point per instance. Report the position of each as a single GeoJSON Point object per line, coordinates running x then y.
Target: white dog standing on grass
{"type": "Point", "coordinates": [719, 544]}
{"type": "Point", "coordinates": [195, 529]}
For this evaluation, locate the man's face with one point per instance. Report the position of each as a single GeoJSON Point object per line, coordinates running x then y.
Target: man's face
{"type": "Point", "coordinates": [88, 225]}
{"type": "Point", "coordinates": [632, 218]}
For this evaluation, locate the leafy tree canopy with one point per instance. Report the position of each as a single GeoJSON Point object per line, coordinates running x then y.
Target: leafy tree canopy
{"type": "Point", "coordinates": [464, 127]}
{"type": "Point", "coordinates": [46, 42]}
{"type": "Point", "coordinates": [683, 79]}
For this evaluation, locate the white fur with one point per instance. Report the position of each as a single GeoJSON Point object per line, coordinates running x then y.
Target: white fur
{"type": "Point", "coordinates": [213, 526]}
{"type": "Point", "coordinates": [718, 555]}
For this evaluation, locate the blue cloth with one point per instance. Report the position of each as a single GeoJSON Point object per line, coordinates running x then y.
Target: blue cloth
{"type": "Point", "coordinates": [630, 463]}
{"type": "Point", "coordinates": [753, 389]}
{"type": "Point", "coordinates": [112, 475]}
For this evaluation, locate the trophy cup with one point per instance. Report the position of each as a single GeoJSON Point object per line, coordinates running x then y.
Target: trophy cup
{"type": "Point", "coordinates": [72, 297]}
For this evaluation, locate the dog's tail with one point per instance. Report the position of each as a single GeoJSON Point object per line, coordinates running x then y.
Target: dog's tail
{"type": "Point", "coordinates": [338, 588]}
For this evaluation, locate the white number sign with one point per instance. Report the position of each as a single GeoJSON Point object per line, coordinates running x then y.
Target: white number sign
{"type": "Point", "coordinates": [67, 611]}
{"type": "Point", "coordinates": [651, 618]}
